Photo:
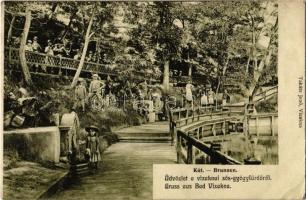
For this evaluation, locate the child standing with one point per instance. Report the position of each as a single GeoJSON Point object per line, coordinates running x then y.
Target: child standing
{"type": "Point", "coordinates": [92, 146]}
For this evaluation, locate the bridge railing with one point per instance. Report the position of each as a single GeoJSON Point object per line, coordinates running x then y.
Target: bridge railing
{"type": "Point", "coordinates": [184, 116]}
{"type": "Point", "coordinates": [267, 93]}
{"type": "Point", "coordinates": [262, 124]}
{"type": "Point", "coordinates": [189, 149]}
{"type": "Point", "coordinates": [193, 130]}
{"type": "Point", "coordinates": [12, 56]}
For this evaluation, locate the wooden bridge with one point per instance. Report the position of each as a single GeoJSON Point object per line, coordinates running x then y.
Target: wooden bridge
{"type": "Point", "coordinates": [197, 133]}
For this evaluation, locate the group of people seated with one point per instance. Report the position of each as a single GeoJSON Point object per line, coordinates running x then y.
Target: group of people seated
{"type": "Point", "coordinates": [61, 48]}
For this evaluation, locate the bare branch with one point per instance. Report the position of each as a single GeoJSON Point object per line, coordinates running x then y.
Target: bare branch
{"type": "Point", "coordinates": [91, 34]}
{"type": "Point", "coordinates": [15, 13]}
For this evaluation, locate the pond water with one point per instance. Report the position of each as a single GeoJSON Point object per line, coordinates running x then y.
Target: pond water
{"type": "Point", "coordinates": [262, 149]}
{"type": "Point", "coordinates": [240, 148]}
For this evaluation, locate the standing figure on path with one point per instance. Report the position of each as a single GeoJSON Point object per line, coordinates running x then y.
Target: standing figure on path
{"type": "Point", "coordinates": [189, 98]}
{"type": "Point", "coordinates": [211, 97]}
{"type": "Point", "coordinates": [226, 98]}
{"type": "Point", "coordinates": [80, 94]}
{"type": "Point", "coordinates": [204, 100]}
{"type": "Point", "coordinates": [92, 146]}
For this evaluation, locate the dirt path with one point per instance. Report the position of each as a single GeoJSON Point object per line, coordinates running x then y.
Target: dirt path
{"type": "Point", "coordinates": [126, 173]}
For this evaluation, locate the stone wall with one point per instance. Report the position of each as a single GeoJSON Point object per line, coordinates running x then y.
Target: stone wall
{"type": "Point", "coordinates": [39, 144]}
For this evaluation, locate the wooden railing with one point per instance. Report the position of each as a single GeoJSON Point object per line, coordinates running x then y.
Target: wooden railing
{"type": "Point", "coordinates": [195, 131]}
{"type": "Point", "coordinates": [184, 116]}
{"type": "Point", "coordinates": [189, 149]}
{"type": "Point", "coordinates": [262, 124]}
{"type": "Point", "coordinates": [266, 94]}
{"type": "Point", "coordinates": [11, 55]}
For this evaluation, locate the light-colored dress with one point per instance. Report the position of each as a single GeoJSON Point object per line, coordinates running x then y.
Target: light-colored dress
{"type": "Point", "coordinates": [211, 96]}
{"type": "Point", "coordinates": [92, 145]}
{"type": "Point", "coordinates": [204, 100]}
{"type": "Point", "coordinates": [189, 92]}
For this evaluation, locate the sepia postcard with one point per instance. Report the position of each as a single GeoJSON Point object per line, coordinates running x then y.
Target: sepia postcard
{"type": "Point", "coordinates": [137, 100]}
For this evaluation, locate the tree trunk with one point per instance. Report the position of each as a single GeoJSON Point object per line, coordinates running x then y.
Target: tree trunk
{"type": "Point", "coordinates": [23, 61]}
{"type": "Point", "coordinates": [166, 76]}
{"type": "Point", "coordinates": [53, 9]}
{"type": "Point", "coordinates": [257, 73]}
{"type": "Point", "coordinates": [68, 26]}
{"type": "Point", "coordinates": [87, 38]}
{"type": "Point", "coordinates": [189, 66]}
{"type": "Point", "coordinates": [9, 33]}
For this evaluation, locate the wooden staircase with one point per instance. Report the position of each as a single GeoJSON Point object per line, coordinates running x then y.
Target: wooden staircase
{"type": "Point", "coordinates": [154, 132]}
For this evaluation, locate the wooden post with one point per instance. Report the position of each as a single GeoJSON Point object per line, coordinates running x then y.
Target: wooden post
{"type": "Point", "coordinates": [174, 133]}
{"type": "Point", "coordinates": [124, 102]}
{"type": "Point", "coordinates": [189, 153]}
{"type": "Point", "coordinates": [193, 155]}
{"type": "Point", "coordinates": [179, 149]}
{"type": "Point", "coordinates": [193, 111]}
{"type": "Point", "coordinates": [213, 130]}
{"type": "Point", "coordinates": [272, 125]}
{"type": "Point", "coordinates": [223, 128]}
{"type": "Point", "coordinates": [256, 126]}
{"type": "Point", "coordinates": [198, 133]}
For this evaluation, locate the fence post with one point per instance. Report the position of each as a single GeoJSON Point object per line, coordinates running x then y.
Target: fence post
{"type": "Point", "coordinates": [256, 126]}
{"type": "Point", "coordinates": [189, 153]}
{"type": "Point", "coordinates": [198, 133]}
{"type": "Point", "coordinates": [272, 125]}
{"type": "Point", "coordinates": [124, 102]}
{"type": "Point", "coordinates": [193, 155]}
{"type": "Point", "coordinates": [213, 129]}
{"type": "Point", "coordinates": [178, 149]}
{"type": "Point", "coordinates": [223, 128]}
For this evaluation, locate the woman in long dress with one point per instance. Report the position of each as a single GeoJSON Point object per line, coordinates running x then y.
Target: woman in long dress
{"type": "Point", "coordinates": [211, 97]}
{"type": "Point", "coordinates": [189, 88]}
{"type": "Point", "coordinates": [204, 100]}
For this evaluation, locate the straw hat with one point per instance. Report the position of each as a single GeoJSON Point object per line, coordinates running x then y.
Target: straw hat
{"type": "Point", "coordinates": [92, 127]}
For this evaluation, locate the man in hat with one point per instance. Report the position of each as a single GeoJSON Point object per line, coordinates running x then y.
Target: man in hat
{"type": "Point", "coordinates": [92, 146]}
{"type": "Point", "coordinates": [49, 51]}
{"type": "Point", "coordinates": [189, 97]}
{"type": "Point", "coordinates": [95, 86]}
{"type": "Point", "coordinates": [49, 48]}
{"type": "Point", "coordinates": [36, 46]}
{"type": "Point", "coordinates": [80, 94]}
{"type": "Point", "coordinates": [28, 46]}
